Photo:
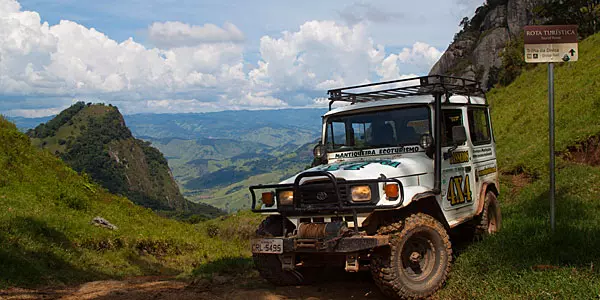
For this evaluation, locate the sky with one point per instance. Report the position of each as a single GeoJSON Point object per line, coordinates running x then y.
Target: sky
{"type": "Point", "coordinates": [178, 56]}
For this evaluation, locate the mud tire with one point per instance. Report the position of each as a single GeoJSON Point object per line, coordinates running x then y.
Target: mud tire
{"type": "Point", "coordinates": [490, 219]}
{"type": "Point", "coordinates": [398, 273]}
{"type": "Point", "coordinates": [269, 265]}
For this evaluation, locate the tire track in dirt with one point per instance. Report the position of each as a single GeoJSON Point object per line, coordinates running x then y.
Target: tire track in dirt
{"type": "Point", "coordinates": [351, 286]}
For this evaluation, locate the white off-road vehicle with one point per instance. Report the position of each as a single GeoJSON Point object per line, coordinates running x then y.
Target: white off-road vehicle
{"type": "Point", "coordinates": [396, 170]}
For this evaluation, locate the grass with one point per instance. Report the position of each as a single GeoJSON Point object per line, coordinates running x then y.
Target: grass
{"type": "Point", "coordinates": [526, 260]}
{"type": "Point", "coordinates": [520, 111]}
{"type": "Point", "coordinates": [46, 237]}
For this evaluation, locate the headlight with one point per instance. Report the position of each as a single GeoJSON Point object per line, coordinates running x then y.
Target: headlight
{"type": "Point", "coordinates": [361, 193]}
{"type": "Point", "coordinates": [286, 197]}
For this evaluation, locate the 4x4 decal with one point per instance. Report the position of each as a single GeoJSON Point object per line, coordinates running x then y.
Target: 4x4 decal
{"type": "Point", "coordinates": [459, 190]}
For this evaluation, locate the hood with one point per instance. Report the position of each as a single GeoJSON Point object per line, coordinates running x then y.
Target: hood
{"type": "Point", "coordinates": [373, 168]}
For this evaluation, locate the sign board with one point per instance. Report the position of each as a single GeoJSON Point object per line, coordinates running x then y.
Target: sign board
{"type": "Point", "coordinates": [550, 43]}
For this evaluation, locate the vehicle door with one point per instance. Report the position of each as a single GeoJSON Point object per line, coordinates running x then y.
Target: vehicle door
{"type": "Point", "coordinates": [458, 178]}
{"type": "Point", "coordinates": [484, 154]}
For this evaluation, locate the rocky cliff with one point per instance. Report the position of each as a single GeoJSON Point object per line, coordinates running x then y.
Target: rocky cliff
{"type": "Point", "coordinates": [476, 49]}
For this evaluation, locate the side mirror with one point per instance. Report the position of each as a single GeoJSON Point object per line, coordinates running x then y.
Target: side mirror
{"type": "Point", "coordinates": [319, 151]}
{"type": "Point", "coordinates": [459, 135]}
{"type": "Point", "coordinates": [320, 154]}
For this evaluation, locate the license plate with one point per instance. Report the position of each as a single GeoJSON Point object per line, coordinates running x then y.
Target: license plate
{"type": "Point", "coordinates": [271, 246]}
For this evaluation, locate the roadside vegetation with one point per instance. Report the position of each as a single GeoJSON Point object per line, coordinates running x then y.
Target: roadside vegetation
{"type": "Point", "coordinates": [46, 237]}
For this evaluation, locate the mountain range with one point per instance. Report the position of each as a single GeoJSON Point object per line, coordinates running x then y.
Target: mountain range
{"type": "Point", "coordinates": [211, 156]}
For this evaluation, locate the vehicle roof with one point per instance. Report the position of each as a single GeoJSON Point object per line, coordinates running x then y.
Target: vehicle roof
{"type": "Point", "coordinates": [409, 100]}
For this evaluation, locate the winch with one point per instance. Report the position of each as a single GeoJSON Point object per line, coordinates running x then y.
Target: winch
{"type": "Point", "coordinates": [321, 230]}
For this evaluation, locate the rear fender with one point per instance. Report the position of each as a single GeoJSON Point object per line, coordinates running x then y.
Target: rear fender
{"type": "Point", "coordinates": [486, 187]}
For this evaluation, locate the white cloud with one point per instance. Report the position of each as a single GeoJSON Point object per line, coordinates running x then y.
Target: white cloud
{"type": "Point", "coordinates": [197, 68]}
{"type": "Point", "coordinates": [70, 59]}
{"type": "Point", "coordinates": [421, 54]}
{"type": "Point", "coordinates": [170, 106]}
{"type": "Point", "coordinates": [34, 113]}
{"type": "Point", "coordinates": [178, 34]}
{"type": "Point", "coordinates": [322, 54]}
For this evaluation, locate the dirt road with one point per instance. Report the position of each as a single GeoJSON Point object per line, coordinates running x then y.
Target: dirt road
{"type": "Point", "coordinates": [353, 286]}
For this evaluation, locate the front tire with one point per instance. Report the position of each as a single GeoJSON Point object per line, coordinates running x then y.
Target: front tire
{"type": "Point", "coordinates": [269, 265]}
{"type": "Point", "coordinates": [418, 260]}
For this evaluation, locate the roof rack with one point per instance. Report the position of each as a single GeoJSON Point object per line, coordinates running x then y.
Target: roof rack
{"type": "Point", "coordinates": [404, 87]}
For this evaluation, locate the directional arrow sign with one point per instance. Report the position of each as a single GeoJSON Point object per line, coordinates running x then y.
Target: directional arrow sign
{"type": "Point", "coordinates": [550, 43]}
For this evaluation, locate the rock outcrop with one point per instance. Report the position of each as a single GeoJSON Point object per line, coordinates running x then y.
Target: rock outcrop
{"type": "Point", "coordinates": [476, 49]}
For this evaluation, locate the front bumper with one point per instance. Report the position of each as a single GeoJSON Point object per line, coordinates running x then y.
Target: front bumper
{"type": "Point", "coordinates": [340, 206]}
{"type": "Point", "coordinates": [332, 245]}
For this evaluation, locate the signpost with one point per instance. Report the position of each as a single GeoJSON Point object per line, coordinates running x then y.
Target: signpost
{"type": "Point", "coordinates": [550, 44]}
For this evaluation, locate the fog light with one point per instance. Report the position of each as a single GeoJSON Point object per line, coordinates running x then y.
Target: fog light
{"type": "Point", "coordinates": [392, 191]}
{"type": "Point", "coordinates": [286, 197]}
{"type": "Point", "coordinates": [267, 199]}
{"type": "Point", "coordinates": [361, 193]}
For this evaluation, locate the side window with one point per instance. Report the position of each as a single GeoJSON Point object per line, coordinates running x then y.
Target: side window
{"type": "Point", "coordinates": [479, 126]}
{"type": "Point", "coordinates": [450, 118]}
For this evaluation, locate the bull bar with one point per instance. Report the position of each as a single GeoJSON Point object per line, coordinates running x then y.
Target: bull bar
{"type": "Point", "coordinates": [340, 207]}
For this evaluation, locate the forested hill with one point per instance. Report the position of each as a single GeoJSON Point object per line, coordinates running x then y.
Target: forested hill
{"type": "Point", "coordinates": [95, 140]}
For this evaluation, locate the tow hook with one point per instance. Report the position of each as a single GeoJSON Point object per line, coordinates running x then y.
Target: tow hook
{"type": "Point", "coordinates": [352, 264]}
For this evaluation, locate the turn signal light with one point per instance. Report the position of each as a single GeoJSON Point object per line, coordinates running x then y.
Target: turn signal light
{"type": "Point", "coordinates": [392, 191]}
{"type": "Point", "coordinates": [268, 199]}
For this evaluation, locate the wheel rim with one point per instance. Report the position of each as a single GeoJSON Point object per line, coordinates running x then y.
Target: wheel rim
{"type": "Point", "coordinates": [492, 221]}
{"type": "Point", "coordinates": [418, 258]}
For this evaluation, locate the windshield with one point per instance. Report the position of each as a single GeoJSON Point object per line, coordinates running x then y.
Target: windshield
{"type": "Point", "coordinates": [396, 127]}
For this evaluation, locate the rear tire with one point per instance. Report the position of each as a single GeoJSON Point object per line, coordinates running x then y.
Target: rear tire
{"type": "Point", "coordinates": [269, 265]}
{"type": "Point", "coordinates": [490, 220]}
{"type": "Point", "coordinates": [417, 262]}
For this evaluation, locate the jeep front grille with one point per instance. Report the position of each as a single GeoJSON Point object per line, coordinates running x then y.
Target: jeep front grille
{"type": "Point", "coordinates": [321, 192]}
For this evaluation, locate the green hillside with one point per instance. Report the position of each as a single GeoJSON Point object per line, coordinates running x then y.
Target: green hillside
{"type": "Point", "coordinates": [227, 188]}
{"type": "Point", "coordinates": [521, 110]}
{"type": "Point", "coordinates": [525, 260]}
{"type": "Point", "coordinates": [46, 237]}
{"type": "Point", "coordinates": [94, 139]}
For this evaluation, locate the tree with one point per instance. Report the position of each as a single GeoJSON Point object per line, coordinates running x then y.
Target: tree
{"type": "Point", "coordinates": [585, 13]}
{"type": "Point", "coordinates": [464, 23]}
